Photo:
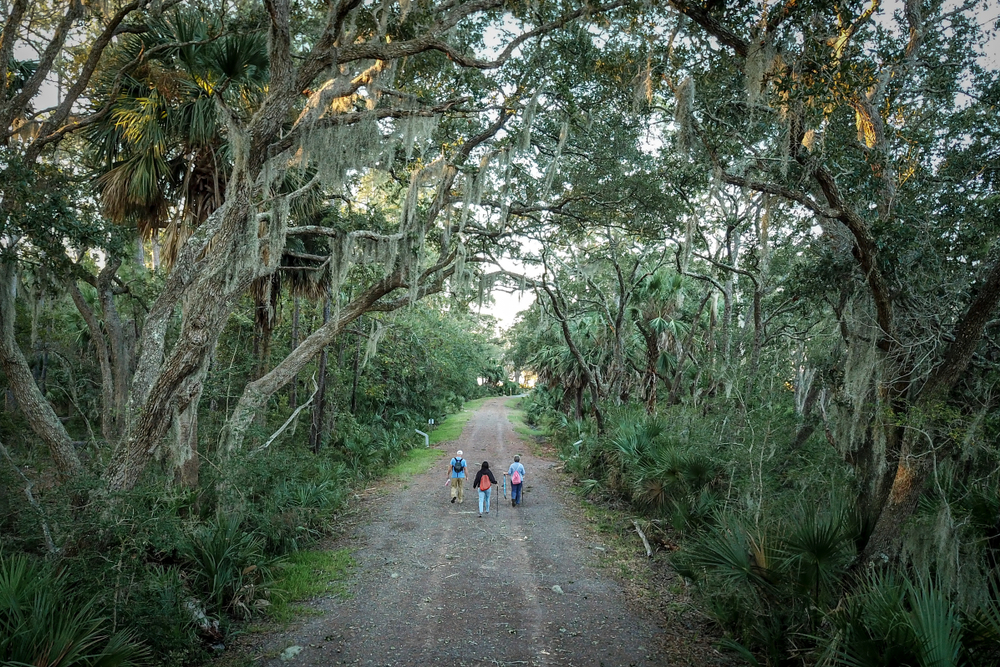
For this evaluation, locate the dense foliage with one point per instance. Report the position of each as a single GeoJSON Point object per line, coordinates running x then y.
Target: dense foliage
{"type": "Point", "coordinates": [791, 374]}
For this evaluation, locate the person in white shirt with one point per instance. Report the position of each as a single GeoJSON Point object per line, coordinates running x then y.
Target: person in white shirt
{"type": "Point", "coordinates": [457, 476]}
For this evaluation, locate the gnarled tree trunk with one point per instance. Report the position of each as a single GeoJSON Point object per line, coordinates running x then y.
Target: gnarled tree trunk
{"type": "Point", "coordinates": [30, 400]}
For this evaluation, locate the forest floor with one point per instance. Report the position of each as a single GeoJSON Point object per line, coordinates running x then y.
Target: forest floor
{"type": "Point", "coordinates": [534, 585]}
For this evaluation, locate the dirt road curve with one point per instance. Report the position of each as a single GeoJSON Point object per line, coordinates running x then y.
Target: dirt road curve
{"type": "Point", "coordinates": [436, 585]}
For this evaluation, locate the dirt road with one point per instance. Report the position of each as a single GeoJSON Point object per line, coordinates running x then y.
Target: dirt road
{"type": "Point", "coordinates": [436, 585]}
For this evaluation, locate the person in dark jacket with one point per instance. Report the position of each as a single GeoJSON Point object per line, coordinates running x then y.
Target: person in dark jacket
{"type": "Point", "coordinates": [479, 483]}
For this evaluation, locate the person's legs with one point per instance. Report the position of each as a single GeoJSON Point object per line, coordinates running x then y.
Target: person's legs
{"type": "Point", "coordinates": [487, 493]}
{"type": "Point", "coordinates": [482, 496]}
{"type": "Point", "coordinates": [461, 488]}
{"type": "Point", "coordinates": [515, 493]}
{"type": "Point", "coordinates": [454, 488]}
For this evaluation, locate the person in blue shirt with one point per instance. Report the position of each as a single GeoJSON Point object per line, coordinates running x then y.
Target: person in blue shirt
{"type": "Point", "coordinates": [457, 475]}
{"type": "Point", "coordinates": [515, 486]}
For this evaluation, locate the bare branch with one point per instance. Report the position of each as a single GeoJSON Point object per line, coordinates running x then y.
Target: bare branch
{"type": "Point", "coordinates": [7, 39]}
{"type": "Point", "coordinates": [713, 26]}
{"type": "Point", "coordinates": [781, 191]}
{"type": "Point", "coordinates": [19, 102]}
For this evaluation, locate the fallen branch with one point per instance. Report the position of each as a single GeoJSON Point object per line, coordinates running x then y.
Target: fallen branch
{"type": "Point", "coordinates": [291, 418]}
{"type": "Point", "coordinates": [649, 550]}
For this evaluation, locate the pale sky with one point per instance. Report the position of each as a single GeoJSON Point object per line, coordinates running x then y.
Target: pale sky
{"type": "Point", "coordinates": [506, 306]}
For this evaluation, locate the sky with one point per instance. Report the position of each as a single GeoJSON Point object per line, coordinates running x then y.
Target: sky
{"type": "Point", "coordinates": [506, 306]}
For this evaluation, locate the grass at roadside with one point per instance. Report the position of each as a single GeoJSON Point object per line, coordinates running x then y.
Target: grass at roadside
{"type": "Point", "coordinates": [419, 459]}
{"type": "Point", "coordinates": [309, 574]}
{"type": "Point", "coordinates": [527, 432]}
{"type": "Point", "coordinates": [416, 462]}
{"type": "Point", "coordinates": [453, 425]}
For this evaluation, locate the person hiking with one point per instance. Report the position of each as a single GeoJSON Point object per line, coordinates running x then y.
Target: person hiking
{"type": "Point", "coordinates": [484, 484]}
{"type": "Point", "coordinates": [516, 472]}
{"type": "Point", "coordinates": [457, 476]}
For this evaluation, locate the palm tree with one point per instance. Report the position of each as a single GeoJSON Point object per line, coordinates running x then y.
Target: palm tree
{"type": "Point", "coordinates": [160, 154]}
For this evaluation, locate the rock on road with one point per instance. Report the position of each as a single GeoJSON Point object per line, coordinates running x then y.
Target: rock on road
{"type": "Point", "coordinates": [436, 585]}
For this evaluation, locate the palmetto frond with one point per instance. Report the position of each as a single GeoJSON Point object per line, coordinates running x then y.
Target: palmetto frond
{"type": "Point", "coordinates": [160, 155]}
{"type": "Point", "coordinates": [818, 548]}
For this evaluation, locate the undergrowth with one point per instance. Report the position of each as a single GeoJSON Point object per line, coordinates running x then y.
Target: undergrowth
{"type": "Point", "coordinates": [766, 538]}
{"type": "Point", "coordinates": [167, 576]}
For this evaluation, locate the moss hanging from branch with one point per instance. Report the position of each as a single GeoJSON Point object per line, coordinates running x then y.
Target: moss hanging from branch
{"type": "Point", "coordinates": [759, 63]}
{"type": "Point", "coordinates": [684, 116]}
{"type": "Point", "coordinates": [527, 120]}
{"type": "Point", "coordinates": [642, 85]}
{"type": "Point", "coordinates": [550, 173]}
{"type": "Point", "coordinates": [374, 338]}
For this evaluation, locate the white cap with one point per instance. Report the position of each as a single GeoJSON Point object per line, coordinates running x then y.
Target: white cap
{"type": "Point", "coordinates": [459, 452]}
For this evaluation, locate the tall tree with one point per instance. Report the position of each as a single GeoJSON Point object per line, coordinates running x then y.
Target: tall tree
{"type": "Point", "coordinates": [338, 100]}
{"type": "Point", "coordinates": [819, 107]}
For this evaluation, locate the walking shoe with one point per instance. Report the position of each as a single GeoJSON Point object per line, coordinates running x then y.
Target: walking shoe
{"type": "Point", "coordinates": [480, 516]}
{"type": "Point", "coordinates": [452, 500]}
{"type": "Point", "coordinates": [513, 504]}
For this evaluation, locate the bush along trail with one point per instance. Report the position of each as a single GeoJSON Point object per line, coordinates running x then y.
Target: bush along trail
{"type": "Point", "coordinates": [435, 584]}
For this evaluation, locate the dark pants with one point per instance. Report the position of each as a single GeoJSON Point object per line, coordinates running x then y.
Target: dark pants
{"type": "Point", "coordinates": [515, 493]}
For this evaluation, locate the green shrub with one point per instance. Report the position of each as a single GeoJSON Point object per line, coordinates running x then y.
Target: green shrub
{"type": "Point", "coordinates": [228, 569]}
{"type": "Point", "coordinates": [160, 609]}
{"type": "Point", "coordinates": [41, 623]}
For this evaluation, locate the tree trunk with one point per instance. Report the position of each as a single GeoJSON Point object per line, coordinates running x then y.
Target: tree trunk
{"type": "Point", "coordinates": [357, 374]}
{"type": "Point", "coordinates": [120, 345]}
{"type": "Point", "coordinates": [100, 345]}
{"type": "Point", "coordinates": [904, 496]}
{"type": "Point", "coordinates": [36, 409]}
{"type": "Point", "coordinates": [185, 455]}
{"type": "Point", "coordinates": [319, 405]}
{"type": "Point", "coordinates": [652, 355]}
{"type": "Point", "coordinates": [295, 344]}
{"type": "Point", "coordinates": [114, 354]}
{"type": "Point", "coordinates": [913, 467]}
{"type": "Point", "coordinates": [208, 287]}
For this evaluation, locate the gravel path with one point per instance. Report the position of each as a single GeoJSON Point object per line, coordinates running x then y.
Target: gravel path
{"type": "Point", "coordinates": [436, 585]}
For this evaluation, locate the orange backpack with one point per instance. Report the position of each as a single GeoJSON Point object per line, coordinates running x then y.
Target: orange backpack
{"type": "Point", "coordinates": [484, 483]}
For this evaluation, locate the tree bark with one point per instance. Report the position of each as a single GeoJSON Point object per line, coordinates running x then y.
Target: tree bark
{"type": "Point", "coordinates": [185, 457]}
{"type": "Point", "coordinates": [318, 409]}
{"type": "Point", "coordinates": [37, 411]}
{"type": "Point", "coordinates": [913, 467]}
